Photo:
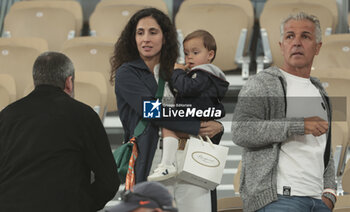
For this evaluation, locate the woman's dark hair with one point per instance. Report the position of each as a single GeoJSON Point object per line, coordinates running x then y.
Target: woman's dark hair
{"type": "Point", "coordinates": [125, 49]}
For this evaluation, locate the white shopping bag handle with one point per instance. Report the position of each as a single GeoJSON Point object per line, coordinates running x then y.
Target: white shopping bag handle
{"type": "Point", "coordinates": [208, 140]}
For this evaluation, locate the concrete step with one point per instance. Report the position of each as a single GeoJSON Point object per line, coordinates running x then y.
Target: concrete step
{"type": "Point", "coordinates": [227, 136]}
{"type": "Point", "coordinates": [225, 191]}
{"type": "Point", "coordinates": [228, 143]}
{"type": "Point", "coordinates": [235, 151]}
{"type": "Point", "coordinates": [227, 179]}
{"type": "Point", "coordinates": [230, 171]}
{"type": "Point", "coordinates": [231, 164]}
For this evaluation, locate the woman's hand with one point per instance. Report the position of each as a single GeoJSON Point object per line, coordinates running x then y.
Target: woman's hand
{"type": "Point", "coordinates": [210, 128]}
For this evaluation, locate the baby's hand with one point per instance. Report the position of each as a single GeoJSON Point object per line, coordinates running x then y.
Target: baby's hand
{"type": "Point", "coordinates": [181, 66]}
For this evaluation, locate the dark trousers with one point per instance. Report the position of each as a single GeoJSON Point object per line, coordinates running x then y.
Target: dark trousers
{"type": "Point", "coordinates": [216, 140]}
{"type": "Point", "coordinates": [214, 200]}
{"type": "Point", "coordinates": [147, 145]}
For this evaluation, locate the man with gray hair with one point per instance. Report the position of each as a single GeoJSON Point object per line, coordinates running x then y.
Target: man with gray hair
{"type": "Point", "coordinates": [50, 144]}
{"type": "Point", "coordinates": [282, 121]}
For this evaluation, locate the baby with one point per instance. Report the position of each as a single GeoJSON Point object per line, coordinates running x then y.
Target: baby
{"type": "Point", "coordinates": [203, 86]}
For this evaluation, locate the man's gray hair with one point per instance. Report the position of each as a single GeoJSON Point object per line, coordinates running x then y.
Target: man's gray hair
{"type": "Point", "coordinates": [52, 68]}
{"type": "Point", "coordinates": [303, 16]}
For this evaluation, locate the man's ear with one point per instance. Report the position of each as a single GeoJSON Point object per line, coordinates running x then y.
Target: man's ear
{"type": "Point", "coordinates": [318, 47]}
{"type": "Point", "coordinates": [281, 48]}
{"type": "Point", "coordinates": [68, 85]}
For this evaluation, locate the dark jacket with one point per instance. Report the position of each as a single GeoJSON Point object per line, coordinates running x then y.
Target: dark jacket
{"type": "Point", "coordinates": [134, 83]}
{"type": "Point", "coordinates": [203, 87]}
{"type": "Point", "coordinates": [49, 145]}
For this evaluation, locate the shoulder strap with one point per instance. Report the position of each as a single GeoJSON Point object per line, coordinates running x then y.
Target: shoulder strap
{"type": "Point", "coordinates": [160, 90]}
{"type": "Point", "coordinates": [140, 127]}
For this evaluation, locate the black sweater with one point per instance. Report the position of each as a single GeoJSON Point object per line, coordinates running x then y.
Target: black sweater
{"type": "Point", "coordinates": [49, 145]}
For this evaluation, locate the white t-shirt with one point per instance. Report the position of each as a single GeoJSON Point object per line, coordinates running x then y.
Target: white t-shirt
{"type": "Point", "coordinates": [300, 165]}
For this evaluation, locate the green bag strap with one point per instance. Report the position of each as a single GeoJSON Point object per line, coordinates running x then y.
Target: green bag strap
{"type": "Point", "coordinates": [160, 90]}
{"type": "Point", "coordinates": [140, 127]}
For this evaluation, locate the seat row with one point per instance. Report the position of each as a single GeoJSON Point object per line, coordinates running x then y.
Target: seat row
{"type": "Point", "coordinates": [17, 56]}
{"type": "Point", "coordinates": [88, 54]}
{"type": "Point", "coordinates": [230, 21]}
{"type": "Point", "coordinates": [93, 54]}
{"type": "Point", "coordinates": [89, 87]}
{"type": "Point", "coordinates": [58, 20]}
{"type": "Point", "coordinates": [273, 14]}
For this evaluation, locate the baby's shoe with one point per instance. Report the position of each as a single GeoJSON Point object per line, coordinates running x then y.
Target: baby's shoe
{"type": "Point", "coordinates": [163, 172]}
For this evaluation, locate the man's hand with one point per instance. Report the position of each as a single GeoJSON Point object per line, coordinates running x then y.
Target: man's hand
{"type": "Point", "coordinates": [315, 126]}
{"type": "Point", "coordinates": [181, 66]}
{"type": "Point", "coordinates": [327, 202]}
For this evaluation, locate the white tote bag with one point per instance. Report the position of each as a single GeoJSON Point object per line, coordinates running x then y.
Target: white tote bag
{"type": "Point", "coordinates": [203, 163]}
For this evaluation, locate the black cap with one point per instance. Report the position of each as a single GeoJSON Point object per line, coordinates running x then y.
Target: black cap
{"type": "Point", "coordinates": [146, 195]}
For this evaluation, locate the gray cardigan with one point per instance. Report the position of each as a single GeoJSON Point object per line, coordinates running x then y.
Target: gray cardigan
{"type": "Point", "coordinates": [260, 126]}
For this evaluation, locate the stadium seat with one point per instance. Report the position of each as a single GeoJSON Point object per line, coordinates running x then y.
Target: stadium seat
{"type": "Point", "coordinates": [336, 81]}
{"type": "Point", "coordinates": [236, 178]}
{"type": "Point", "coordinates": [71, 6]}
{"type": "Point", "coordinates": [7, 90]}
{"type": "Point", "coordinates": [230, 204]}
{"type": "Point", "coordinates": [340, 143]}
{"type": "Point", "coordinates": [273, 14]}
{"type": "Point", "coordinates": [55, 21]}
{"type": "Point", "coordinates": [347, 209]}
{"type": "Point", "coordinates": [93, 54]}
{"type": "Point", "coordinates": [342, 204]}
{"type": "Point", "coordinates": [346, 177]}
{"type": "Point", "coordinates": [90, 88]}
{"type": "Point", "coordinates": [110, 16]}
{"type": "Point", "coordinates": [17, 56]}
{"type": "Point", "coordinates": [230, 22]}
{"type": "Point", "coordinates": [330, 4]}
{"type": "Point", "coordinates": [337, 84]}
{"type": "Point", "coordinates": [335, 52]}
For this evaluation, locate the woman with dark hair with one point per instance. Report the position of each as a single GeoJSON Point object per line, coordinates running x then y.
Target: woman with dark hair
{"type": "Point", "coordinates": [146, 51]}
{"type": "Point", "coordinates": [126, 49]}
